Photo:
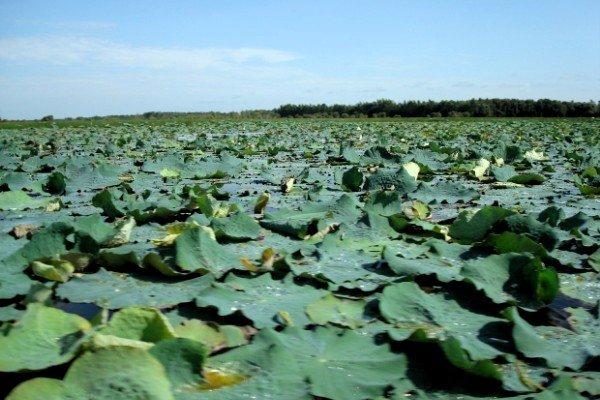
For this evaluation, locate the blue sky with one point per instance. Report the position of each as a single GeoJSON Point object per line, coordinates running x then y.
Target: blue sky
{"type": "Point", "coordinates": [82, 58]}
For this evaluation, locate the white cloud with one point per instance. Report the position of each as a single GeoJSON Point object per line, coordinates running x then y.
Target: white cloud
{"type": "Point", "coordinates": [66, 51]}
{"type": "Point", "coordinates": [89, 25]}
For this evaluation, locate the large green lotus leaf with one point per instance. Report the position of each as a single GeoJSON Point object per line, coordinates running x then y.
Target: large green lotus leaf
{"type": "Point", "coordinates": [557, 391]}
{"type": "Point", "coordinates": [238, 226]}
{"type": "Point", "coordinates": [400, 181]}
{"type": "Point", "coordinates": [122, 258]}
{"type": "Point", "coordinates": [585, 381]}
{"type": "Point", "coordinates": [90, 174]}
{"type": "Point", "coordinates": [338, 259]}
{"type": "Point", "coordinates": [10, 313]}
{"type": "Point", "coordinates": [37, 163]}
{"type": "Point", "coordinates": [379, 155]}
{"type": "Point", "coordinates": [101, 341]}
{"type": "Point", "coordinates": [507, 173]}
{"type": "Point", "coordinates": [385, 203]}
{"type": "Point", "coordinates": [444, 269]}
{"type": "Point", "coordinates": [536, 230]}
{"type": "Point", "coordinates": [12, 279]}
{"type": "Point", "coordinates": [312, 217]}
{"type": "Point", "coordinates": [469, 228]}
{"type": "Point", "coordinates": [510, 242]}
{"type": "Point", "coordinates": [213, 336]}
{"type": "Point", "coordinates": [528, 179]}
{"type": "Point", "coordinates": [337, 311]}
{"type": "Point", "coordinates": [49, 242]}
{"type": "Point", "coordinates": [443, 249]}
{"type": "Point", "coordinates": [380, 226]}
{"type": "Point", "coordinates": [443, 192]}
{"type": "Point", "coordinates": [119, 373]}
{"type": "Point", "coordinates": [110, 205]}
{"type": "Point", "coordinates": [563, 388]}
{"type": "Point", "coordinates": [503, 173]}
{"type": "Point", "coordinates": [56, 183]}
{"type": "Point", "coordinates": [157, 208]}
{"type": "Point", "coordinates": [575, 221]}
{"type": "Point", "coordinates": [428, 160]}
{"type": "Point", "coordinates": [165, 264]}
{"type": "Point", "coordinates": [265, 301]}
{"type": "Point", "coordinates": [19, 181]}
{"type": "Point", "coordinates": [551, 215]}
{"type": "Point", "coordinates": [196, 250]}
{"type": "Point", "coordinates": [350, 154]}
{"type": "Point", "coordinates": [417, 315]}
{"type": "Point", "coordinates": [135, 323]}
{"type": "Point", "coordinates": [512, 278]}
{"type": "Point", "coordinates": [183, 360]}
{"type": "Point", "coordinates": [19, 200]}
{"type": "Point", "coordinates": [337, 365]}
{"type": "Point", "coordinates": [117, 290]}
{"type": "Point", "coordinates": [45, 389]}
{"type": "Point", "coordinates": [94, 228]}
{"type": "Point", "coordinates": [256, 371]}
{"type": "Point", "coordinates": [83, 234]}
{"type": "Point", "coordinates": [10, 244]}
{"type": "Point", "coordinates": [168, 161]}
{"type": "Point", "coordinates": [560, 347]}
{"type": "Point", "coordinates": [221, 167]}
{"type": "Point", "coordinates": [115, 204]}
{"type": "Point", "coordinates": [352, 179]}
{"type": "Point", "coordinates": [43, 337]}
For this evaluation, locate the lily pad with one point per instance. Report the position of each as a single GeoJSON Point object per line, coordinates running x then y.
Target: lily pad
{"type": "Point", "coordinates": [267, 302]}
{"type": "Point", "coordinates": [117, 290]}
{"type": "Point", "coordinates": [43, 337]}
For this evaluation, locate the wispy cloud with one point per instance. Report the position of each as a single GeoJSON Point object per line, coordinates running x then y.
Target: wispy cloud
{"type": "Point", "coordinates": [107, 77]}
{"type": "Point", "coordinates": [69, 50]}
{"type": "Point", "coordinates": [89, 25]}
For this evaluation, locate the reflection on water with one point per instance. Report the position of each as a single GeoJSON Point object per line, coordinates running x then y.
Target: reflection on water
{"type": "Point", "coordinates": [85, 310]}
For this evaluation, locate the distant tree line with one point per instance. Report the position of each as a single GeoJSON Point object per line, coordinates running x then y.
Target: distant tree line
{"type": "Point", "coordinates": [381, 109]}
{"type": "Point", "coordinates": [445, 108]}
{"type": "Point", "coordinates": [150, 115]}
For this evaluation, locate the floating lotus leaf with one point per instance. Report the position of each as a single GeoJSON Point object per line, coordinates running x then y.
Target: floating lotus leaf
{"type": "Point", "coordinates": [213, 336]}
{"type": "Point", "coordinates": [43, 337]}
{"type": "Point", "coordinates": [143, 324]}
{"type": "Point", "coordinates": [400, 181]}
{"type": "Point", "coordinates": [352, 179]}
{"type": "Point", "coordinates": [469, 228]}
{"type": "Point", "coordinates": [416, 315]}
{"type": "Point", "coordinates": [183, 360]}
{"type": "Point", "coordinates": [337, 366]}
{"type": "Point", "coordinates": [119, 372]}
{"type": "Point", "coordinates": [238, 226]}
{"type": "Point", "coordinates": [196, 250]}
{"type": "Point", "coordinates": [267, 302]}
{"type": "Point", "coordinates": [117, 290]}
{"type": "Point", "coordinates": [19, 200]}
{"type": "Point", "coordinates": [512, 278]}
{"type": "Point", "coordinates": [337, 311]}
{"type": "Point", "coordinates": [312, 217]}
{"type": "Point", "coordinates": [45, 389]}
{"type": "Point", "coordinates": [559, 347]}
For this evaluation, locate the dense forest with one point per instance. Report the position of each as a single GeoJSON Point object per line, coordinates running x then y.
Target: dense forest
{"type": "Point", "coordinates": [446, 108]}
